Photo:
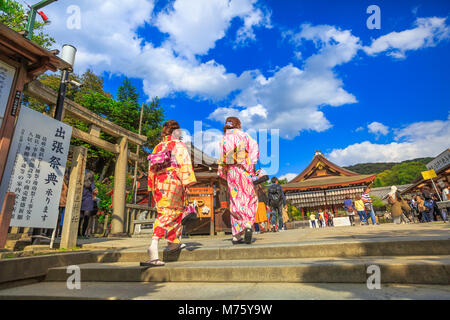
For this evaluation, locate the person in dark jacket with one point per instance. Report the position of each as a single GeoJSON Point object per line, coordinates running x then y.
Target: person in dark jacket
{"type": "Point", "coordinates": [277, 201]}
{"type": "Point", "coordinates": [87, 202]}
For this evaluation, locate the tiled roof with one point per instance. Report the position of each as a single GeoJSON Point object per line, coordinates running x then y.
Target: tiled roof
{"type": "Point", "coordinates": [329, 181]}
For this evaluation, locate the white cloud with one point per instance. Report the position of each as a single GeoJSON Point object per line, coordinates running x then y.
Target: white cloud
{"type": "Point", "coordinates": [427, 33]}
{"type": "Point", "coordinates": [291, 99]}
{"type": "Point", "coordinates": [194, 26]}
{"type": "Point", "coordinates": [108, 41]}
{"type": "Point", "coordinates": [378, 128]}
{"type": "Point", "coordinates": [359, 129]}
{"type": "Point", "coordinates": [421, 139]}
{"type": "Point", "coordinates": [288, 176]}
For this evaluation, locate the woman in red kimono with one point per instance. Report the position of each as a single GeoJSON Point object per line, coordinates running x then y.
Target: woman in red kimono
{"type": "Point", "coordinates": [168, 187]}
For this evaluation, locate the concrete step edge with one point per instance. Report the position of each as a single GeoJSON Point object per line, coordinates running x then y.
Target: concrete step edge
{"type": "Point", "coordinates": [341, 271]}
{"type": "Point", "coordinates": [352, 249]}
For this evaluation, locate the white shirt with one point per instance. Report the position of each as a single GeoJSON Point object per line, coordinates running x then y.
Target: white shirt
{"type": "Point", "coordinates": [445, 194]}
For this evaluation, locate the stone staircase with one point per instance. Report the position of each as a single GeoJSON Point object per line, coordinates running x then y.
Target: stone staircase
{"type": "Point", "coordinates": [404, 262]}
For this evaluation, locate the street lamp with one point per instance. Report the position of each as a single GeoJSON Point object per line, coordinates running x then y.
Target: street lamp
{"type": "Point", "coordinates": [68, 55]}
{"type": "Point", "coordinates": [32, 16]}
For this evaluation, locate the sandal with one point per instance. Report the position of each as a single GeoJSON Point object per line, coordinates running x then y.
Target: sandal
{"type": "Point", "coordinates": [240, 241]}
{"type": "Point", "coordinates": [152, 263]}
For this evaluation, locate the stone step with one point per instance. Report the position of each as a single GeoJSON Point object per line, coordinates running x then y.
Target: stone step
{"type": "Point", "coordinates": [407, 270]}
{"type": "Point", "coordinates": [288, 251]}
{"type": "Point", "coordinates": [225, 291]}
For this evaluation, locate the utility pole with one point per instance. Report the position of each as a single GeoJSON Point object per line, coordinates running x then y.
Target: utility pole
{"type": "Point", "coordinates": [137, 156]}
{"type": "Point", "coordinates": [32, 15]}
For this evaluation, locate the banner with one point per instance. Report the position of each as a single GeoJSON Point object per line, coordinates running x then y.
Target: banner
{"type": "Point", "coordinates": [35, 169]}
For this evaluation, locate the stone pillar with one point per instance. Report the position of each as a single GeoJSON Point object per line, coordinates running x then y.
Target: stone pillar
{"type": "Point", "coordinates": [120, 185]}
{"type": "Point", "coordinates": [74, 197]}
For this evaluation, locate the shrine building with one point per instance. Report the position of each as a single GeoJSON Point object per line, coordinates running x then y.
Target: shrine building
{"type": "Point", "coordinates": [324, 185]}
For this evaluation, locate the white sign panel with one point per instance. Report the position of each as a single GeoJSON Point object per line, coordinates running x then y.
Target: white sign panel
{"type": "Point", "coordinates": [7, 73]}
{"type": "Point", "coordinates": [35, 169]}
{"type": "Point", "coordinates": [441, 161]}
{"type": "Point", "coordinates": [341, 222]}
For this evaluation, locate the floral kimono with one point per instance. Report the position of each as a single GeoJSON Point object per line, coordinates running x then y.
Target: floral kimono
{"type": "Point", "coordinates": [168, 188]}
{"type": "Point", "coordinates": [239, 153]}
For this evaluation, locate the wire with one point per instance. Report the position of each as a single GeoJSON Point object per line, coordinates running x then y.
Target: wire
{"type": "Point", "coordinates": [26, 3]}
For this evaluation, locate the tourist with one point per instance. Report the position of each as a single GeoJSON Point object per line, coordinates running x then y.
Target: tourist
{"type": "Point", "coordinates": [261, 213]}
{"type": "Point", "coordinates": [423, 216]}
{"type": "Point", "coordinates": [428, 214]}
{"type": "Point", "coordinates": [87, 202]}
{"type": "Point", "coordinates": [318, 219]}
{"type": "Point", "coordinates": [359, 206]}
{"type": "Point", "coordinates": [93, 219]}
{"type": "Point", "coordinates": [62, 204]}
{"type": "Point", "coordinates": [348, 203]}
{"type": "Point", "coordinates": [285, 216]}
{"type": "Point", "coordinates": [445, 193]}
{"type": "Point", "coordinates": [312, 218]}
{"type": "Point", "coordinates": [239, 154]}
{"type": "Point", "coordinates": [396, 205]}
{"type": "Point", "coordinates": [277, 200]}
{"type": "Point", "coordinates": [369, 206]}
{"type": "Point", "coordinates": [437, 211]}
{"type": "Point", "coordinates": [330, 219]}
{"type": "Point", "coordinates": [270, 219]}
{"type": "Point", "coordinates": [168, 181]}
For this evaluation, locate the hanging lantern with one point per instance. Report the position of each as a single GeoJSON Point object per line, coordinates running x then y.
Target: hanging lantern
{"type": "Point", "coordinates": [43, 16]}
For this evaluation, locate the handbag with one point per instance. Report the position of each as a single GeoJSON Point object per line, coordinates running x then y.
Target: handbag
{"type": "Point", "coordinates": [189, 214]}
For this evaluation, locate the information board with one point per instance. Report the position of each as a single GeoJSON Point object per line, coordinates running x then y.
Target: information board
{"type": "Point", "coordinates": [35, 169]}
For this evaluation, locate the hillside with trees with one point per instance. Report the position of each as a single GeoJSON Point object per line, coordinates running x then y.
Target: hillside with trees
{"type": "Point", "coordinates": [392, 173]}
{"type": "Point", "coordinates": [378, 167]}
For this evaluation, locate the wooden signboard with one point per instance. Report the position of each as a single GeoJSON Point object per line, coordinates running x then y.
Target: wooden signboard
{"type": "Point", "coordinates": [204, 198]}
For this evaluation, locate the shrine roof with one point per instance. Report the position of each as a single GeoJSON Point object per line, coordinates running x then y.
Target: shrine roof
{"type": "Point", "coordinates": [329, 182]}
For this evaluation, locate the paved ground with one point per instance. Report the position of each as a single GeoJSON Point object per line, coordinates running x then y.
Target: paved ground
{"type": "Point", "coordinates": [383, 232]}
{"type": "Point", "coordinates": [225, 291]}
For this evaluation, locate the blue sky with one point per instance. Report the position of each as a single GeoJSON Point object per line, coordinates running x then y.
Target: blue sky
{"type": "Point", "coordinates": [311, 69]}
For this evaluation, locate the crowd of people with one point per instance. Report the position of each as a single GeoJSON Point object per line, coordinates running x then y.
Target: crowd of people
{"type": "Point", "coordinates": [424, 206]}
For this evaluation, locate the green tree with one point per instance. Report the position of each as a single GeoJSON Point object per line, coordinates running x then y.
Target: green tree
{"type": "Point", "coordinates": [402, 173]}
{"type": "Point", "coordinates": [13, 15]}
{"type": "Point", "coordinates": [294, 213]}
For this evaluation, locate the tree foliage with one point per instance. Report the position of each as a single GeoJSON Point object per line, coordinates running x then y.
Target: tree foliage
{"type": "Point", "coordinates": [294, 213]}
{"type": "Point", "coordinates": [123, 111]}
{"type": "Point", "coordinates": [402, 173]}
{"type": "Point", "coordinates": [378, 167]}
{"type": "Point", "coordinates": [13, 15]}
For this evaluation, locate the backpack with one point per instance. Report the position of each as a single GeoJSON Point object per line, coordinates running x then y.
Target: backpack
{"type": "Point", "coordinates": [274, 195]}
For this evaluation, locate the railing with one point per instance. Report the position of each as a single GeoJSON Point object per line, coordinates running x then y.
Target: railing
{"type": "Point", "coordinates": [139, 216]}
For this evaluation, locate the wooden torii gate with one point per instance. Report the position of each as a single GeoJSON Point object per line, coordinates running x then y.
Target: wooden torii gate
{"type": "Point", "coordinates": [98, 124]}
